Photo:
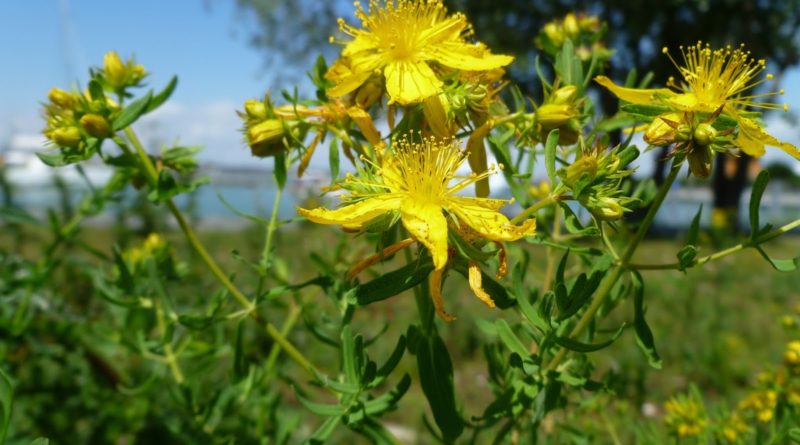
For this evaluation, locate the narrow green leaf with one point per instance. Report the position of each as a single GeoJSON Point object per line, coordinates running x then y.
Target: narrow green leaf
{"type": "Point", "coordinates": [578, 346]}
{"type": "Point", "coordinates": [394, 358]}
{"type": "Point", "coordinates": [96, 90]}
{"type": "Point", "coordinates": [6, 404]}
{"type": "Point", "coordinates": [52, 158]}
{"type": "Point", "coordinates": [333, 159]}
{"type": "Point", "coordinates": [323, 433]}
{"type": "Point", "coordinates": [550, 154]}
{"type": "Point", "coordinates": [644, 336]}
{"type": "Point", "coordinates": [394, 282]}
{"type": "Point", "coordinates": [239, 361]}
{"type": "Point", "coordinates": [510, 339]}
{"type": "Point", "coordinates": [573, 223]}
{"type": "Point", "coordinates": [650, 111]}
{"type": "Point", "coordinates": [163, 95]}
{"type": "Point", "coordinates": [388, 401]}
{"type": "Point", "coordinates": [280, 171]}
{"type": "Point", "coordinates": [349, 358]}
{"type": "Point", "coordinates": [321, 409]}
{"type": "Point", "coordinates": [132, 112]}
{"type": "Point", "coordinates": [790, 265]}
{"type": "Point", "coordinates": [436, 379]}
{"type": "Point", "coordinates": [18, 215]}
{"type": "Point", "coordinates": [759, 186]}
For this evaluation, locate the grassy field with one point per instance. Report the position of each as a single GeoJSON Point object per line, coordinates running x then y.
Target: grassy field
{"type": "Point", "coordinates": [716, 327]}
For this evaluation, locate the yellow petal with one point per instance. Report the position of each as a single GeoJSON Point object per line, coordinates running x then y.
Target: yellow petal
{"type": "Point", "coordinates": [752, 139]}
{"type": "Point", "coordinates": [364, 122]}
{"type": "Point", "coordinates": [348, 83]}
{"type": "Point", "coordinates": [461, 56]}
{"type": "Point", "coordinates": [482, 216]}
{"type": "Point", "coordinates": [436, 295]}
{"type": "Point", "coordinates": [475, 283]}
{"type": "Point", "coordinates": [634, 95]}
{"type": "Point", "coordinates": [426, 223]}
{"type": "Point", "coordinates": [409, 83]}
{"type": "Point", "coordinates": [356, 214]}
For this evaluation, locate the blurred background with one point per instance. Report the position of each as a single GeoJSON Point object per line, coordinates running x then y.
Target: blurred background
{"type": "Point", "coordinates": [226, 51]}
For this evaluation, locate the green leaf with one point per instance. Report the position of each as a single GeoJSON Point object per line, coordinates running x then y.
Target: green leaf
{"type": "Point", "coordinates": [280, 169]}
{"type": "Point", "coordinates": [436, 379]}
{"type": "Point", "coordinates": [96, 90]}
{"type": "Point", "coordinates": [650, 111]}
{"type": "Point", "coordinates": [333, 159]}
{"type": "Point", "coordinates": [52, 158]}
{"type": "Point", "coordinates": [18, 215]}
{"type": "Point", "coordinates": [349, 358]}
{"type": "Point", "coordinates": [321, 409]}
{"type": "Point", "coordinates": [6, 404]}
{"type": "Point", "coordinates": [512, 342]}
{"type": "Point", "coordinates": [573, 223]}
{"type": "Point", "coordinates": [790, 265]}
{"type": "Point", "coordinates": [132, 112]}
{"type": "Point", "coordinates": [644, 336]}
{"type": "Point", "coordinates": [388, 401]}
{"type": "Point", "coordinates": [581, 291]}
{"type": "Point", "coordinates": [550, 154]}
{"type": "Point", "coordinates": [394, 282]}
{"type": "Point", "coordinates": [239, 361]}
{"type": "Point", "coordinates": [759, 186]}
{"type": "Point", "coordinates": [323, 433]}
{"type": "Point", "coordinates": [575, 345]}
{"type": "Point", "coordinates": [467, 250]}
{"type": "Point", "coordinates": [163, 95]}
{"type": "Point", "coordinates": [394, 358]}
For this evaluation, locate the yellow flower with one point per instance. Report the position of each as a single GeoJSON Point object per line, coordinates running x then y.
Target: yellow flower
{"type": "Point", "coordinates": [400, 38]}
{"type": "Point", "coordinates": [733, 428]}
{"type": "Point", "coordinates": [761, 404]}
{"type": "Point", "coordinates": [416, 181]}
{"type": "Point", "coordinates": [714, 80]}
{"type": "Point", "coordinates": [685, 416]}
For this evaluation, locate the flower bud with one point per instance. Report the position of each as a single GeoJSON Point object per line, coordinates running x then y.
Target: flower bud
{"type": "Point", "coordinates": [551, 116]}
{"type": "Point", "coordinates": [792, 355]}
{"type": "Point", "coordinates": [586, 165]}
{"type": "Point", "coordinates": [265, 138]}
{"type": "Point", "coordinates": [114, 69]}
{"type": "Point", "coordinates": [607, 209]}
{"type": "Point", "coordinates": [571, 27]}
{"type": "Point", "coordinates": [683, 133]}
{"type": "Point", "coordinates": [255, 109]}
{"type": "Point", "coordinates": [704, 135]}
{"type": "Point", "coordinates": [61, 98]}
{"type": "Point", "coordinates": [66, 136]}
{"type": "Point", "coordinates": [96, 126]}
{"type": "Point", "coordinates": [554, 33]}
{"type": "Point", "coordinates": [564, 95]}
{"type": "Point", "coordinates": [662, 131]}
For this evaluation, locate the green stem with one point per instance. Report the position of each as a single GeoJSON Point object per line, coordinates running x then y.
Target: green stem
{"type": "Point", "coordinates": [534, 208]}
{"type": "Point", "coordinates": [195, 242]}
{"type": "Point", "coordinates": [273, 222]}
{"type": "Point", "coordinates": [169, 353]}
{"type": "Point", "coordinates": [723, 253]}
{"type": "Point", "coordinates": [616, 272]}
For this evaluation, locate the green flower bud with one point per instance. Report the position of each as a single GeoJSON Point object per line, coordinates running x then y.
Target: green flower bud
{"type": "Point", "coordinates": [61, 98]}
{"type": "Point", "coordinates": [607, 209]}
{"type": "Point", "coordinates": [704, 135]}
{"type": "Point", "coordinates": [266, 138]}
{"type": "Point", "coordinates": [66, 136]}
{"type": "Point", "coordinates": [564, 95]}
{"type": "Point", "coordinates": [554, 33]}
{"type": "Point", "coordinates": [96, 126]}
{"type": "Point", "coordinates": [586, 165]}
{"type": "Point", "coordinates": [551, 116]}
{"type": "Point", "coordinates": [255, 109]}
{"type": "Point", "coordinates": [683, 133]}
{"type": "Point", "coordinates": [114, 69]}
{"type": "Point", "coordinates": [571, 27]}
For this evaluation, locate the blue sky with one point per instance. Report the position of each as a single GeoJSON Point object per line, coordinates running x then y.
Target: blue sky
{"type": "Point", "coordinates": [49, 43]}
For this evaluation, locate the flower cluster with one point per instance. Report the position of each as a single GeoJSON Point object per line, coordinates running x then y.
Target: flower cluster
{"type": "Point", "coordinates": [707, 111]}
